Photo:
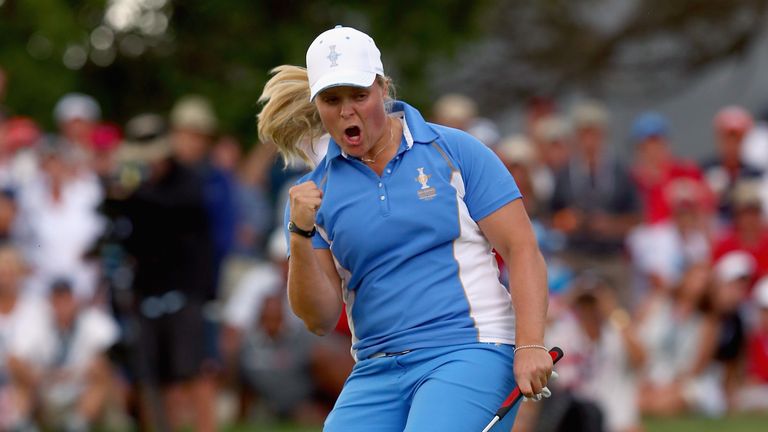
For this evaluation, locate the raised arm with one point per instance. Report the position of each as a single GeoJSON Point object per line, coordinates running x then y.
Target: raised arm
{"type": "Point", "coordinates": [314, 286]}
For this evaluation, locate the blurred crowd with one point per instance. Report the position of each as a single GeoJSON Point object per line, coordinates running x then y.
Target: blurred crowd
{"type": "Point", "coordinates": [142, 277]}
{"type": "Point", "coordinates": [657, 264]}
{"type": "Point", "coordinates": [143, 266]}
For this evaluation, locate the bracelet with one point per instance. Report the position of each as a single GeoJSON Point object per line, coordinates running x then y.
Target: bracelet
{"type": "Point", "coordinates": [521, 347]}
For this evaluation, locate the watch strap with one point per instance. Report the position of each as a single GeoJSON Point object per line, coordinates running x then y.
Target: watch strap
{"type": "Point", "coordinates": [304, 233]}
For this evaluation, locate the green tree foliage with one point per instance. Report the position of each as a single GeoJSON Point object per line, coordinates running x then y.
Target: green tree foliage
{"type": "Point", "coordinates": [500, 52]}
{"type": "Point", "coordinates": [220, 49]}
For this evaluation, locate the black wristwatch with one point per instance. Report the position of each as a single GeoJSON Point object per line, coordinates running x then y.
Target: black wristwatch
{"type": "Point", "coordinates": [294, 229]}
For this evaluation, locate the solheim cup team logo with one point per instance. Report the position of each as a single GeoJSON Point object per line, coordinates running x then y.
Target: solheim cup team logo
{"type": "Point", "coordinates": [333, 56]}
{"type": "Point", "coordinates": [426, 192]}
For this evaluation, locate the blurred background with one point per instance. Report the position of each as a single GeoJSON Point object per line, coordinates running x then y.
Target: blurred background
{"type": "Point", "coordinates": [142, 262]}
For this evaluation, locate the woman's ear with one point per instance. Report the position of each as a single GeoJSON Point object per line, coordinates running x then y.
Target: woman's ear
{"type": "Point", "coordinates": [384, 85]}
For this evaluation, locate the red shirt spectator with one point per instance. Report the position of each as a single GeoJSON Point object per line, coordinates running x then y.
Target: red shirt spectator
{"type": "Point", "coordinates": [652, 186]}
{"type": "Point", "coordinates": [655, 167]}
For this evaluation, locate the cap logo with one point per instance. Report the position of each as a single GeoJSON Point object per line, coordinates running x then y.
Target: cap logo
{"type": "Point", "coordinates": [333, 56]}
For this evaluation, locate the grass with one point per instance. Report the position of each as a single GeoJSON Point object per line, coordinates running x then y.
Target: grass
{"type": "Point", "coordinates": [741, 423]}
{"type": "Point", "coordinates": [273, 428]}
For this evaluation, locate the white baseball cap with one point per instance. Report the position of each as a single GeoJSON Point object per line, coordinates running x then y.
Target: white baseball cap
{"type": "Point", "coordinates": [517, 149]}
{"type": "Point", "coordinates": [342, 56]}
{"type": "Point", "coordinates": [761, 292]}
{"type": "Point", "coordinates": [734, 265]}
{"type": "Point", "coordinates": [74, 106]}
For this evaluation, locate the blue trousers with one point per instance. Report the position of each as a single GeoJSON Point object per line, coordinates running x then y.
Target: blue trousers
{"type": "Point", "coordinates": [447, 389]}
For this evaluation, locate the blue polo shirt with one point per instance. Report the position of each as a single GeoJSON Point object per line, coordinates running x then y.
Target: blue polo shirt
{"type": "Point", "coordinates": [416, 270]}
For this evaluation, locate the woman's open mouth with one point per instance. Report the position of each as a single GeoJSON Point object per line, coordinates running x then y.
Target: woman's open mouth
{"type": "Point", "coordinates": [353, 135]}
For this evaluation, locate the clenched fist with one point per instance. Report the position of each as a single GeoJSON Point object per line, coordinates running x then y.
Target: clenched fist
{"type": "Point", "coordinates": [533, 368]}
{"type": "Point", "coordinates": [305, 199]}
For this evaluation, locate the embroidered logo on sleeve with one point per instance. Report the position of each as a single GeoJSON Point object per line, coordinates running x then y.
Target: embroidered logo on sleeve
{"type": "Point", "coordinates": [426, 192]}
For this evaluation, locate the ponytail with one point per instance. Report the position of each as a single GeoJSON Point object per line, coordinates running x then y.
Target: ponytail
{"type": "Point", "coordinates": [288, 118]}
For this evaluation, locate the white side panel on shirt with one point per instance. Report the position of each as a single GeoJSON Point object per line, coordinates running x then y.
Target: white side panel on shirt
{"type": "Point", "coordinates": [489, 301]}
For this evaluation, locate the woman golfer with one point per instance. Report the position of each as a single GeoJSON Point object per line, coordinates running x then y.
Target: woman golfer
{"type": "Point", "coordinates": [398, 222]}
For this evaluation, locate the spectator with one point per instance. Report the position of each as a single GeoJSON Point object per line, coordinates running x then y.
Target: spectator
{"type": "Point", "coordinates": [253, 214]}
{"type": "Point", "coordinates": [78, 387]}
{"type": "Point", "coordinates": [732, 275]}
{"type": "Point", "coordinates": [723, 170]}
{"type": "Point", "coordinates": [654, 165]}
{"type": "Point", "coordinates": [604, 352]}
{"type": "Point", "coordinates": [105, 138]}
{"type": "Point", "coordinates": [537, 108]}
{"type": "Point", "coordinates": [76, 116]}
{"type": "Point", "coordinates": [171, 245]}
{"type": "Point", "coordinates": [146, 140]}
{"type": "Point", "coordinates": [241, 310]}
{"type": "Point", "coordinates": [755, 148]}
{"type": "Point", "coordinates": [18, 147]}
{"type": "Point", "coordinates": [27, 344]}
{"type": "Point", "coordinates": [661, 253]}
{"type": "Point", "coordinates": [552, 138]}
{"type": "Point", "coordinates": [193, 126]}
{"type": "Point", "coordinates": [226, 154]}
{"type": "Point", "coordinates": [749, 231]}
{"type": "Point", "coordinates": [276, 363]}
{"type": "Point", "coordinates": [680, 339]}
{"type": "Point", "coordinates": [58, 222]}
{"type": "Point", "coordinates": [518, 155]}
{"type": "Point", "coordinates": [250, 338]}
{"type": "Point", "coordinates": [254, 210]}
{"type": "Point", "coordinates": [753, 396]}
{"type": "Point", "coordinates": [460, 112]}
{"type": "Point", "coordinates": [594, 203]}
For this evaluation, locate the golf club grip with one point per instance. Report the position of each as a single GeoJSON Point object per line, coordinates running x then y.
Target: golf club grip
{"type": "Point", "coordinates": [556, 353]}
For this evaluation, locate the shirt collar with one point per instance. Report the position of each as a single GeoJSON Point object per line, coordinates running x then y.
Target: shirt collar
{"type": "Point", "coordinates": [415, 129]}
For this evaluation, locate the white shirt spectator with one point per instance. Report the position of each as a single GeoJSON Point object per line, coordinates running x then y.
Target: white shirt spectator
{"type": "Point", "coordinates": [26, 333]}
{"type": "Point", "coordinates": [598, 371]}
{"type": "Point", "coordinates": [660, 249]}
{"type": "Point", "coordinates": [93, 334]}
{"type": "Point", "coordinates": [54, 236]}
{"type": "Point", "coordinates": [672, 345]}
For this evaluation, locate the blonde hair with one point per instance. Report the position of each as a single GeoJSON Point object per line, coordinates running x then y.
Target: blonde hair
{"type": "Point", "coordinates": [289, 118]}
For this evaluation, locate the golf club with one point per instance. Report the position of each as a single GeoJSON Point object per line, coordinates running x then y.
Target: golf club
{"type": "Point", "coordinates": [516, 394]}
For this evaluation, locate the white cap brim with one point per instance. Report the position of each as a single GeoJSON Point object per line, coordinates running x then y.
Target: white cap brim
{"type": "Point", "coordinates": [342, 78]}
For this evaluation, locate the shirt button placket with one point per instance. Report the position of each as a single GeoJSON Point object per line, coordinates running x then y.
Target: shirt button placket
{"type": "Point", "coordinates": [383, 197]}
